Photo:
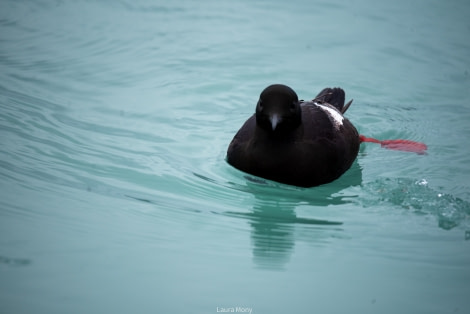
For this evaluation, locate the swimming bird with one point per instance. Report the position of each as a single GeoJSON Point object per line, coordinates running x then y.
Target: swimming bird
{"type": "Point", "coordinates": [296, 142]}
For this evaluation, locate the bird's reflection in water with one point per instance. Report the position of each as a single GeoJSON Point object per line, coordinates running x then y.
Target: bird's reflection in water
{"type": "Point", "coordinates": [273, 219]}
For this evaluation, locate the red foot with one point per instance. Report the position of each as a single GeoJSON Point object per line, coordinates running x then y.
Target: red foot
{"type": "Point", "coordinates": [403, 145]}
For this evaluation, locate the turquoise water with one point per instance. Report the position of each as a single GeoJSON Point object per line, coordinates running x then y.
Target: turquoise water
{"type": "Point", "coordinates": [115, 196]}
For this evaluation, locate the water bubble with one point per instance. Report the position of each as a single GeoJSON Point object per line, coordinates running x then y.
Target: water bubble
{"type": "Point", "coordinates": [423, 182]}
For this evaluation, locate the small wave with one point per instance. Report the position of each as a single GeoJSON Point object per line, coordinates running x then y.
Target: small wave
{"type": "Point", "coordinates": [416, 195]}
{"type": "Point", "coordinates": [11, 261]}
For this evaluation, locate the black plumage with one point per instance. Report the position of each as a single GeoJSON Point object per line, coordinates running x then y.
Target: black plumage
{"type": "Point", "coordinates": [302, 143]}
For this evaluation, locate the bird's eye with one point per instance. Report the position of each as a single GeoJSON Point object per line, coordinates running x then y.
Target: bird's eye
{"type": "Point", "coordinates": [260, 104]}
{"type": "Point", "coordinates": [293, 105]}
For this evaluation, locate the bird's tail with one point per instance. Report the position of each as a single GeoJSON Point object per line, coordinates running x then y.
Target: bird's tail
{"type": "Point", "coordinates": [335, 97]}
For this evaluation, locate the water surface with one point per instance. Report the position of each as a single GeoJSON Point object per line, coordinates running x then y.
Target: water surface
{"type": "Point", "coordinates": [115, 117]}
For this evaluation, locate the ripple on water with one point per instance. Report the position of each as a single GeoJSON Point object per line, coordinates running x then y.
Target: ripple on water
{"type": "Point", "coordinates": [418, 197]}
{"type": "Point", "coordinates": [13, 261]}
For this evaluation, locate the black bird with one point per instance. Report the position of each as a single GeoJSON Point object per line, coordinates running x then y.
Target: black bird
{"type": "Point", "coordinates": [302, 143]}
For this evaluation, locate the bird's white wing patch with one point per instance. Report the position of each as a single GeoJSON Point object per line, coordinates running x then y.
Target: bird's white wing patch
{"type": "Point", "coordinates": [334, 115]}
